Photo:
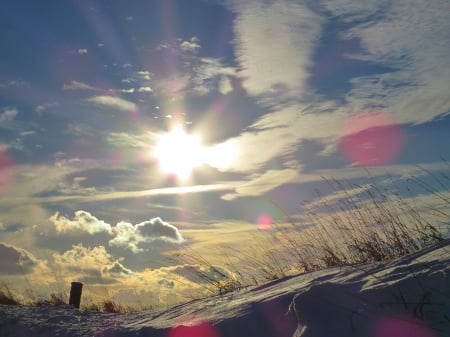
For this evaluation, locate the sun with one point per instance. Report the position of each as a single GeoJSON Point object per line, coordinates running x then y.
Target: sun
{"type": "Point", "coordinates": [179, 152]}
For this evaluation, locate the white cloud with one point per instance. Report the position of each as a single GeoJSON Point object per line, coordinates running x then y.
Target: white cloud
{"type": "Point", "coordinates": [112, 102]}
{"type": "Point", "coordinates": [412, 37]}
{"type": "Point", "coordinates": [225, 85]}
{"type": "Point", "coordinates": [75, 85]}
{"type": "Point", "coordinates": [94, 265]}
{"type": "Point", "coordinates": [144, 75]}
{"type": "Point", "coordinates": [129, 236]}
{"type": "Point", "coordinates": [190, 46]}
{"type": "Point", "coordinates": [45, 106]}
{"type": "Point", "coordinates": [125, 235]}
{"type": "Point", "coordinates": [27, 133]}
{"type": "Point", "coordinates": [145, 89]}
{"type": "Point", "coordinates": [82, 51]}
{"type": "Point", "coordinates": [274, 44]}
{"type": "Point", "coordinates": [263, 183]}
{"type": "Point", "coordinates": [12, 84]}
{"type": "Point", "coordinates": [122, 139]}
{"type": "Point", "coordinates": [8, 114]}
{"type": "Point", "coordinates": [127, 91]}
{"type": "Point", "coordinates": [83, 221]}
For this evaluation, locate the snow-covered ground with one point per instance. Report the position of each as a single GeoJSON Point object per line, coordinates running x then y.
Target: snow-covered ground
{"type": "Point", "coordinates": [409, 297]}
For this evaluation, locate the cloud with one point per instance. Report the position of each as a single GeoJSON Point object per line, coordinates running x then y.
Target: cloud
{"type": "Point", "coordinates": [413, 39]}
{"type": "Point", "coordinates": [123, 139]}
{"type": "Point", "coordinates": [190, 46]}
{"type": "Point", "coordinates": [112, 102]}
{"type": "Point", "coordinates": [275, 61]}
{"type": "Point", "coordinates": [82, 51]}
{"type": "Point", "coordinates": [12, 84]}
{"type": "Point", "coordinates": [225, 86]}
{"type": "Point", "coordinates": [83, 221]}
{"type": "Point", "coordinates": [16, 260]}
{"type": "Point", "coordinates": [92, 265]}
{"type": "Point", "coordinates": [271, 54]}
{"type": "Point", "coordinates": [75, 85]}
{"type": "Point", "coordinates": [130, 236]}
{"type": "Point", "coordinates": [103, 196]}
{"type": "Point", "coordinates": [263, 183]}
{"type": "Point", "coordinates": [252, 150]}
{"type": "Point", "coordinates": [126, 91]}
{"type": "Point", "coordinates": [144, 75]}
{"type": "Point", "coordinates": [206, 74]}
{"type": "Point", "coordinates": [145, 89]}
{"type": "Point", "coordinates": [45, 106]}
{"type": "Point", "coordinates": [8, 114]}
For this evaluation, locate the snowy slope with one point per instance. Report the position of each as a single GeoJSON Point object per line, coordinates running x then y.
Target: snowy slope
{"type": "Point", "coordinates": [406, 297]}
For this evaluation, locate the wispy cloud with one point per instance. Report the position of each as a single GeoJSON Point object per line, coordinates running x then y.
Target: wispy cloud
{"type": "Point", "coordinates": [413, 39]}
{"type": "Point", "coordinates": [12, 84]}
{"type": "Point", "coordinates": [123, 139]}
{"type": "Point", "coordinates": [75, 85]}
{"type": "Point", "coordinates": [263, 183]}
{"type": "Point", "coordinates": [275, 61]}
{"type": "Point", "coordinates": [275, 55]}
{"type": "Point", "coordinates": [82, 51]}
{"type": "Point", "coordinates": [45, 106]}
{"type": "Point", "coordinates": [8, 114]}
{"type": "Point", "coordinates": [112, 102]}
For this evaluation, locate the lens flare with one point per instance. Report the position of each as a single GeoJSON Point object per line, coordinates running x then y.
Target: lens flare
{"type": "Point", "coordinates": [402, 327]}
{"type": "Point", "coordinates": [371, 139]}
{"type": "Point", "coordinates": [200, 330]}
{"type": "Point", "coordinates": [265, 222]}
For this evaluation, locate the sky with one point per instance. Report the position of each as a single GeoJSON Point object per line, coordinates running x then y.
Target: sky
{"type": "Point", "coordinates": [131, 131]}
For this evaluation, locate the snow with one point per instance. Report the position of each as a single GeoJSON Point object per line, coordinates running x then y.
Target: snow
{"type": "Point", "coordinates": [408, 297]}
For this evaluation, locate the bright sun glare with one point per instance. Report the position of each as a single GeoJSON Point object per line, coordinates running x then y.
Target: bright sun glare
{"type": "Point", "coordinates": [179, 153]}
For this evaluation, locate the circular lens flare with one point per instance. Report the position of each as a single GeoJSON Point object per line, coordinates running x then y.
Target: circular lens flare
{"type": "Point", "coordinates": [198, 330]}
{"type": "Point", "coordinates": [371, 139]}
{"type": "Point", "coordinates": [265, 222]}
{"type": "Point", "coordinates": [402, 327]}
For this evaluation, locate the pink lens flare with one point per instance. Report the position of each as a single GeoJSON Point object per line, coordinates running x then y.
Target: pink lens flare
{"type": "Point", "coordinates": [402, 327]}
{"type": "Point", "coordinates": [199, 330]}
{"type": "Point", "coordinates": [265, 222]}
{"type": "Point", "coordinates": [371, 139]}
{"type": "Point", "coordinates": [6, 171]}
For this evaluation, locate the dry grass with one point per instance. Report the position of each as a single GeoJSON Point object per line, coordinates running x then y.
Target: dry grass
{"type": "Point", "coordinates": [8, 297]}
{"type": "Point", "coordinates": [375, 225]}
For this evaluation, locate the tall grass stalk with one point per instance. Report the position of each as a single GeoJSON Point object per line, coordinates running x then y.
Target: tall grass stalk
{"type": "Point", "coordinates": [371, 225]}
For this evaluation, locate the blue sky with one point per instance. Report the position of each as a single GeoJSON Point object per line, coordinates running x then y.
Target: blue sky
{"type": "Point", "coordinates": [278, 93]}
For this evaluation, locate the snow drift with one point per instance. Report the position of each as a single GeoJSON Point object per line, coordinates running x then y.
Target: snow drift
{"type": "Point", "coordinates": [408, 297]}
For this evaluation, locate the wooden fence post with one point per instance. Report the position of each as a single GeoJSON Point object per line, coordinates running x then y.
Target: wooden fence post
{"type": "Point", "coordinates": [75, 294]}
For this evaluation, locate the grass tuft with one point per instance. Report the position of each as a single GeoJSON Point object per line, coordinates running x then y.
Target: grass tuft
{"type": "Point", "coordinates": [365, 224]}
